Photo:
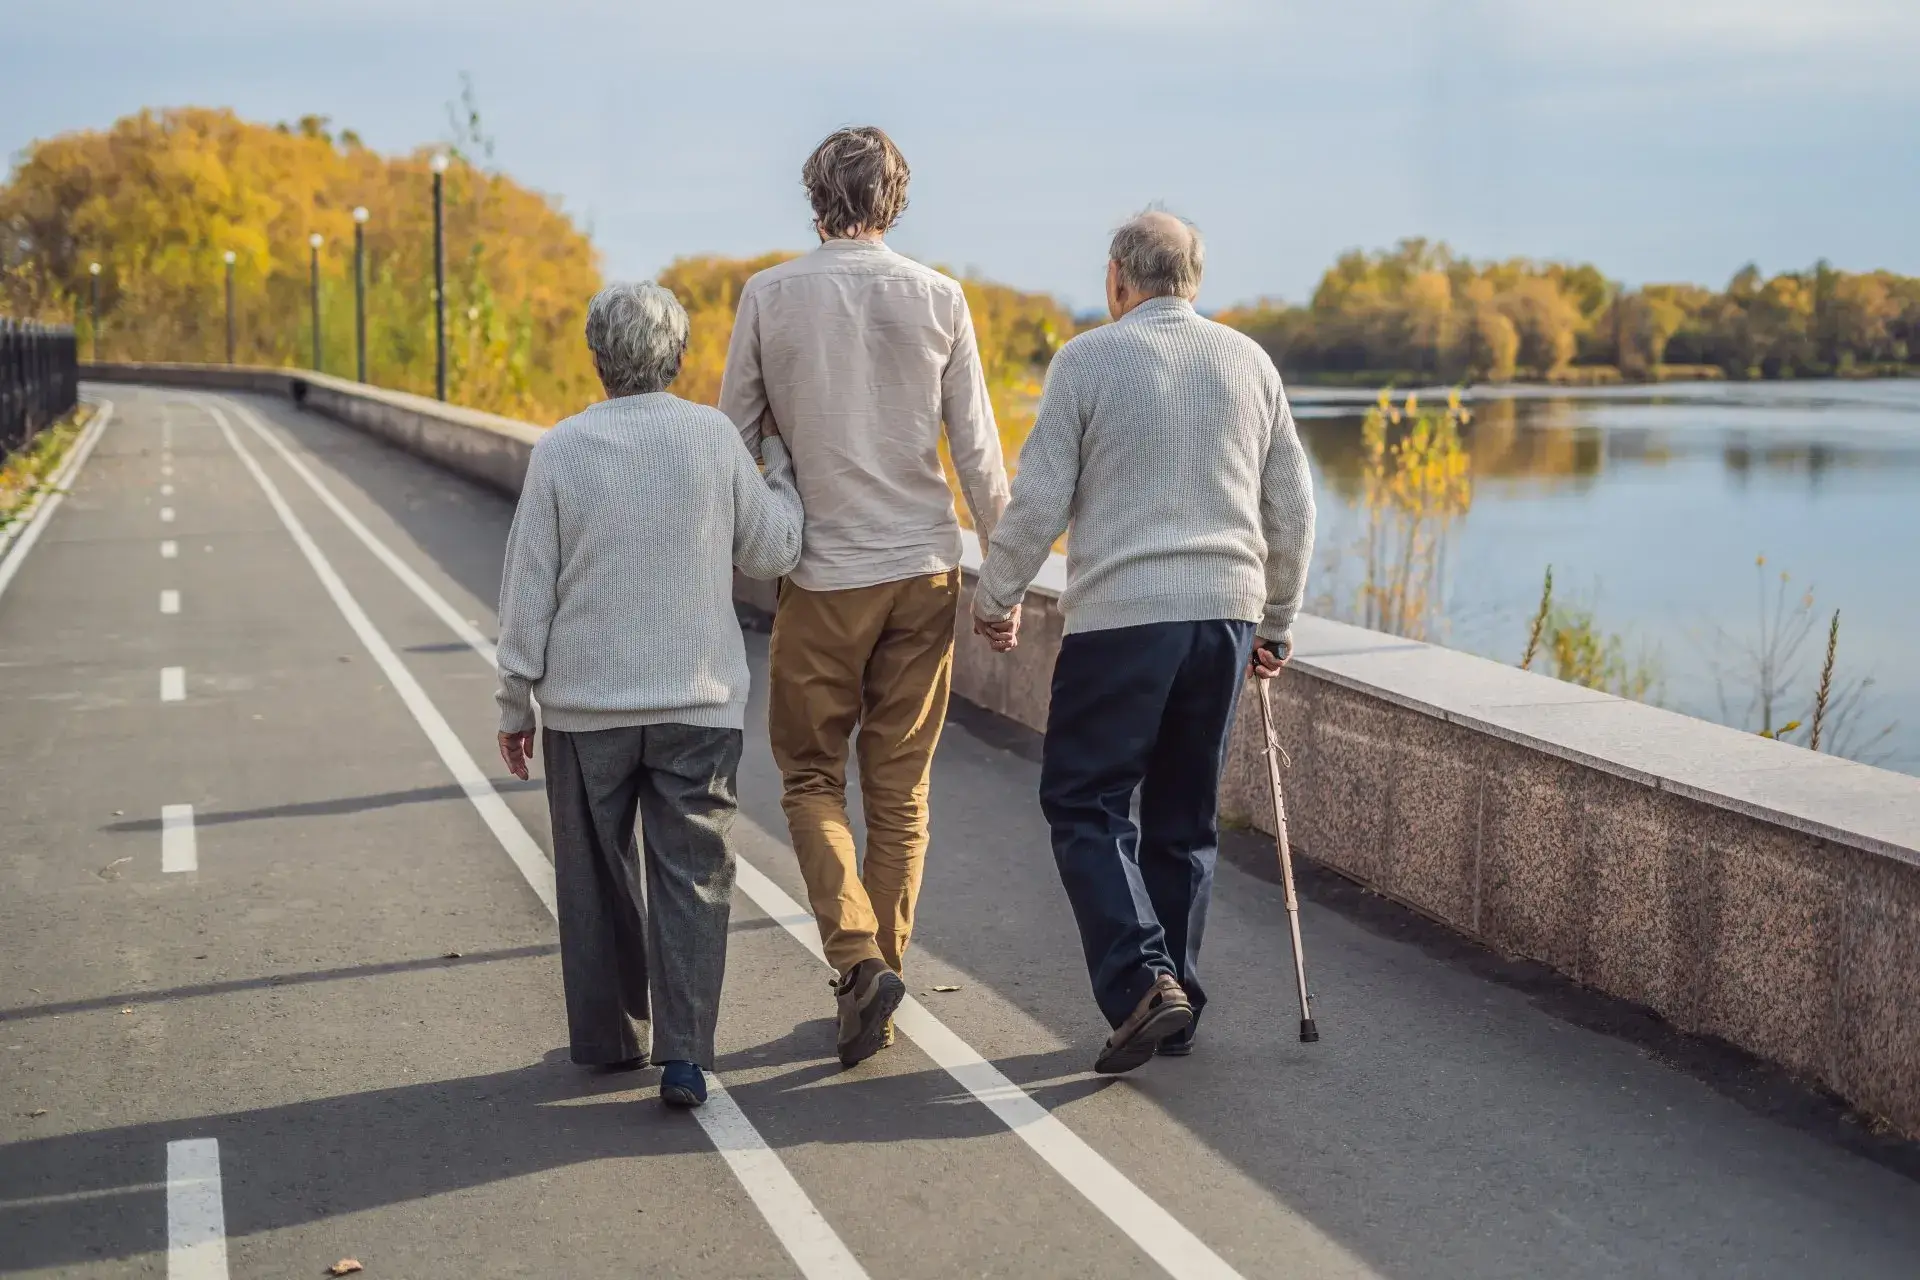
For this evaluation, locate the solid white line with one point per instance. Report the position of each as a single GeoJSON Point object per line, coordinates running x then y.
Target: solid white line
{"type": "Point", "coordinates": [18, 538]}
{"type": "Point", "coordinates": [1158, 1233]}
{"type": "Point", "coordinates": [806, 1235]}
{"type": "Point", "coordinates": [447, 614]}
{"type": "Point", "coordinates": [169, 601]}
{"type": "Point", "coordinates": [173, 684]}
{"type": "Point", "coordinates": [169, 549]}
{"type": "Point", "coordinates": [166, 515]}
{"type": "Point", "coordinates": [178, 849]}
{"type": "Point", "coordinates": [196, 1216]}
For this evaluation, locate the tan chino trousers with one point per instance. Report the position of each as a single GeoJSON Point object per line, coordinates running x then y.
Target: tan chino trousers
{"type": "Point", "coordinates": [879, 659]}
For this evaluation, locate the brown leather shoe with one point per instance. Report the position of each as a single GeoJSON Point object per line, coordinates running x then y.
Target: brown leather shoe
{"type": "Point", "coordinates": [1164, 1011]}
{"type": "Point", "coordinates": [867, 995]}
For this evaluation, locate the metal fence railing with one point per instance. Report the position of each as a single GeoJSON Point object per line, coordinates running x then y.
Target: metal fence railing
{"type": "Point", "coordinates": [39, 379]}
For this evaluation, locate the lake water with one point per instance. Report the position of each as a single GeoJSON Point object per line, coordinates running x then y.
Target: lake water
{"type": "Point", "coordinates": [1652, 504]}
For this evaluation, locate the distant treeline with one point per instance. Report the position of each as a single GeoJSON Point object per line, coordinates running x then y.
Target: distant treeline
{"type": "Point", "coordinates": [1419, 312]}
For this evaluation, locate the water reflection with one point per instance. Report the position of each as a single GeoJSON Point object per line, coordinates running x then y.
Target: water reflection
{"type": "Point", "coordinates": [1652, 503]}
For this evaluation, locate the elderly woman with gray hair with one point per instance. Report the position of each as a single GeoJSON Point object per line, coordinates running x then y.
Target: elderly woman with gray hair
{"type": "Point", "coordinates": [616, 612]}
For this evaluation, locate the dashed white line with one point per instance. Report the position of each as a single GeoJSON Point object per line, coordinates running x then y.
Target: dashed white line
{"type": "Point", "coordinates": [166, 515]}
{"type": "Point", "coordinates": [169, 549]}
{"type": "Point", "coordinates": [169, 601]}
{"type": "Point", "coordinates": [173, 684]}
{"type": "Point", "coordinates": [166, 468]}
{"type": "Point", "coordinates": [799, 1226]}
{"type": "Point", "coordinates": [166, 490]}
{"type": "Point", "coordinates": [18, 538]}
{"type": "Point", "coordinates": [196, 1211]}
{"type": "Point", "coordinates": [178, 849]}
{"type": "Point", "coordinates": [1157, 1232]}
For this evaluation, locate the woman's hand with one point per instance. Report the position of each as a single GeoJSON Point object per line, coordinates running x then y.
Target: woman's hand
{"type": "Point", "coordinates": [516, 749]}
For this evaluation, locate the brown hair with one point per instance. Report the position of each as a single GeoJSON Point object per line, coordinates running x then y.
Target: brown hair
{"type": "Point", "coordinates": [857, 182]}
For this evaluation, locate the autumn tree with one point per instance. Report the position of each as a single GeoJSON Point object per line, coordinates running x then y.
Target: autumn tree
{"type": "Point", "coordinates": [159, 197]}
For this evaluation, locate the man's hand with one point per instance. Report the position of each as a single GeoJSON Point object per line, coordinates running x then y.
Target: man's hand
{"type": "Point", "coordinates": [516, 749]}
{"type": "Point", "coordinates": [1003, 636]}
{"type": "Point", "coordinates": [1268, 657]}
{"type": "Point", "coordinates": [769, 429]}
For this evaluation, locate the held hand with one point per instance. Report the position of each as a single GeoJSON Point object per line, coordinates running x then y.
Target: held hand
{"type": "Point", "coordinates": [1002, 636]}
{"type": "Point", "coordinates": [516, 749]}
{"type": "Point", "coordinates": [769, 429]}
{"type": "Point", "coordinates": [1269, 656]}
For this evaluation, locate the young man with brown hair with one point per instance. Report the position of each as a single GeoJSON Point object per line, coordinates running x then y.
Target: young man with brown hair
{"type": "Point", "coordinates": [856, 356]}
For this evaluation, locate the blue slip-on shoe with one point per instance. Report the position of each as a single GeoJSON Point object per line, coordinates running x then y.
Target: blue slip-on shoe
{"type": "Point", "coordinates": [682, 1084]}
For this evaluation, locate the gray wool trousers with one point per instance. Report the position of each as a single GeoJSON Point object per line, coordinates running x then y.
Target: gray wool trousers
{"type": "Point", "coordinates": [656, 958]}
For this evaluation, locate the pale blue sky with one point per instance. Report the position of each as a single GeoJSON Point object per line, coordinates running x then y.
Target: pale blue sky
{"type": "Point", "coordinates": [1662, 139]}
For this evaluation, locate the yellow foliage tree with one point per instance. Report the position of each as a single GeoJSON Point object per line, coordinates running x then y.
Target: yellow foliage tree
{"type": "Point", "coordinates": [159, 197]}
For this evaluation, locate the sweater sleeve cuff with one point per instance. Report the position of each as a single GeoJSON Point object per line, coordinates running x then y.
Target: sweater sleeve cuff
{"type": "Point", "coordinates": [515, 698]}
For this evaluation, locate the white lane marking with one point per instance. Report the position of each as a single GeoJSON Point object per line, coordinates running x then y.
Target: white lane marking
{"type": "Point", "coordinates": [801, 1229]}
{"type": "Point", "coordinates": [169, 549]}
{"type": "Point", "coordinates": [166, 515]}
{"type": "Point", "coordinates": [166, 468]}
{"type": "Point", "coordinates": [196, 1214]}
{"type": "Point", "coordinates": [173, 684]}
{"type": "Point", "coordinates": [169, 601]}
{"type": "Point", "coordinates": [18, 538]}
{"type": "Point", "coordinates": [1158, 1233]}
{"type": "Point", "coordinates": [166, 490]}
{"type": "Point", "coordinates": [453, 618]}
{"type": "Point", "coordinates": [178, 849]}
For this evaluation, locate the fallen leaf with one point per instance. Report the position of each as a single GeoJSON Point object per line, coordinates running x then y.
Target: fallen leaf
{"type": "Point", "coordinates": [128, 1009]}
{"type": "Point", "coordinates": [119, 813]}
{"type": "Point", "coordinates": [451, 955]}
{"type": "Point", "coordinates": [36, 1113]}
{"type": "Point", "coordinates": [345, 1267]}
{"type": "Point", "coordinates": [946, 988]}
{"type": "Point", "coordinates": [112, 870]}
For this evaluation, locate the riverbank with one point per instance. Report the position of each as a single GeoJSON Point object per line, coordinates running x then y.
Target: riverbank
{"type": "Point", "coordinates": [1584, 377]}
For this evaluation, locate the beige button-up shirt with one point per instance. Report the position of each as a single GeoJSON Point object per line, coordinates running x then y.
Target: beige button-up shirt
{"type": "Point", "coordinates": [857, 354]}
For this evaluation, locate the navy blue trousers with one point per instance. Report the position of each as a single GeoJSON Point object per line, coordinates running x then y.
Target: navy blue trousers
{"type": "Point", "coordinates": [1145, 708]}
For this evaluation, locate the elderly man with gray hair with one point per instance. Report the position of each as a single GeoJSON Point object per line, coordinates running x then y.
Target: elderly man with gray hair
{"type": "Point", "coordinates": [1165, 450]}
{"type": "Point", "coordinates": [616, 612]}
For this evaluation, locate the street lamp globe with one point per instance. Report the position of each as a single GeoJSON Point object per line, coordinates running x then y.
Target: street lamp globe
{"type": "Point", "coordinates": [316, 239]}
{"type": "Point", "coordinates": [360, 214]}
{"type": "Point", "coordinates": [93, 268]}
{"type": "Point", "coordinates": [439, 162]}
{"type": "Point", "coordinates": [231, 257]}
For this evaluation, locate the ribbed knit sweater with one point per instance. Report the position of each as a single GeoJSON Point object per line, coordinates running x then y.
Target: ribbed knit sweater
{"type": "Point", "coordinates": [1165, 450]}
{"type": "Point", "coordinates": [616, 603]}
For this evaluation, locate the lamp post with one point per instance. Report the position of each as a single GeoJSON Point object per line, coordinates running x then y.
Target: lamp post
{"type": "Point", "coordinates": [439, 165]}
{"type": "Point", "coordinates": [360, 292]}
{"type": "Point", "coordinates": [230, 258]}
{"type": "Point", "coordinates": [314, 242]}
{"type": "Point", "coordinates": [93, 309]}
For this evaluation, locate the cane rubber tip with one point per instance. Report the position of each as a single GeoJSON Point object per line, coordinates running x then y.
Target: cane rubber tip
{"type": "Point", "coordinates": [1308, 1032]}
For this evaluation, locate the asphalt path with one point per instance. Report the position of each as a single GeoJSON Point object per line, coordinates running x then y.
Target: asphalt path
{"type": "Point", "coordinates": [279, 982]}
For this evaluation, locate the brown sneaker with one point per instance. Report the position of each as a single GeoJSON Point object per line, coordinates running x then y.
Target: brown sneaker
{"type": "Point", "coordinates": [1164, 1011]}
{"type": "Point", "coordinates": [867, 995]}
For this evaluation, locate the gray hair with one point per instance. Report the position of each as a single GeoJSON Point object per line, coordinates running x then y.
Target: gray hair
{"type": "Point", "coordinates": [1159, 254]}
{"type": "Point", "coordinates": [638, 334]}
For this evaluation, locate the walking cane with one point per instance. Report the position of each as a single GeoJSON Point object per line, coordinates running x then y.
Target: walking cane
{"type": "Point", "coordinates": [1308, 1032]}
